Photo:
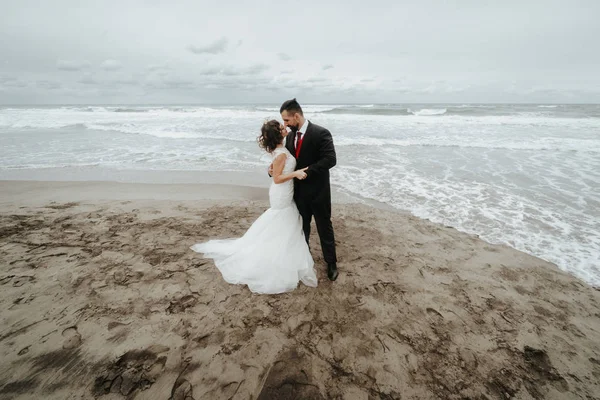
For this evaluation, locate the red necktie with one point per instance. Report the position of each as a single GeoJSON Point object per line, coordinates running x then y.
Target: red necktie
{"type": "Point", "coordinates": [298, 143]}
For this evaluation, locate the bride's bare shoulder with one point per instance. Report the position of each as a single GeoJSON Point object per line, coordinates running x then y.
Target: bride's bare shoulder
{"type": "Point", "coordinates": [278, 155]}
{"type": "Point", "coordinates": [279, 151]}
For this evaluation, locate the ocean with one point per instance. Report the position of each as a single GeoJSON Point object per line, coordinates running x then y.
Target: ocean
{"type": "Point", "coordinates": [523, 175]}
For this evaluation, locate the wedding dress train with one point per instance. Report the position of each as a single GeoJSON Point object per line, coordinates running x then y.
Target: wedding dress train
{"type": "Point", "coordinates": [272, 256]}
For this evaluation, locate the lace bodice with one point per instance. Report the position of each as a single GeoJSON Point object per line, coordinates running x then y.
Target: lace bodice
{"type": "Point", "coordinates": [281, 195]}
{"type": "Point", "coordinates": [290, 162]}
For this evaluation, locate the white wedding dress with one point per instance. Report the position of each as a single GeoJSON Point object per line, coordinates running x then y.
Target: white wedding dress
{"type": "Point", "coordinates": [272, 256]}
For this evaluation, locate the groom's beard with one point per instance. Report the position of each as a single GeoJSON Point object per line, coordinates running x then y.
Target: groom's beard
{"type": "Point", "coordinates": [293, 129]}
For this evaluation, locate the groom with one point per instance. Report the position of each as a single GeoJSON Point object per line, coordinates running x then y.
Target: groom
{"type": "Point", "coordinates": [312, 146]}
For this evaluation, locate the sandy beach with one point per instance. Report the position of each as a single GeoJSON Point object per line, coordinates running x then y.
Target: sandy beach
{"type": "Point", "coordinates": [101, 298]}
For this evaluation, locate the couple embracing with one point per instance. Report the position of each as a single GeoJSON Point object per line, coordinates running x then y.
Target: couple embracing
{"type": "Point", "coordinates": [273, 255]}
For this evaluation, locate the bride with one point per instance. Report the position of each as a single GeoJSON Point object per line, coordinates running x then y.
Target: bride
{"type": "Point", "coordinates": [272, 256]}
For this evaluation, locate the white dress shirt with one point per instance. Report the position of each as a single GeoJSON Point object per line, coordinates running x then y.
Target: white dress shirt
{"type": "Point", "coordinates": [302, 131]}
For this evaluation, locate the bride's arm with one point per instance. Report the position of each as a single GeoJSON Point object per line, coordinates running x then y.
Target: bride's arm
{"type": "Point", "coordinates": [279, 177]}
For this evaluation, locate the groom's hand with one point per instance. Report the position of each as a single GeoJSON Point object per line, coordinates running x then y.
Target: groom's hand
{"type": "Point", "coordinates": [271, 169]}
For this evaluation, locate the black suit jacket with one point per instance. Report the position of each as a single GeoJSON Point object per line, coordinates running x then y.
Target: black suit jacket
{"type": "Point", "coordinates": [318, 154]}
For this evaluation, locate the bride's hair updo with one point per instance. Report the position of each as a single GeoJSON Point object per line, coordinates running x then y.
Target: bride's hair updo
{"type": "Point", "coordinates": [270, 135]}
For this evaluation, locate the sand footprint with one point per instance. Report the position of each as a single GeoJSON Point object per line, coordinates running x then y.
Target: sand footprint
{"type": "Point", "coordinates": [72, 338]}
{"type": "Point", "coordinates": [134, 371]}
{"type": "Point", "coordinates": [182, 390]}
{"type": "Point", "coordinates": [434, 316]}
{"type": "Point", "coordinates": [539, 362]}
{"type": "Point", "coordinates": [180, 305]}
{"type": "Point", "coordinates": [22, 280]}
{"type": "Point", "coordinates": [290, 377]}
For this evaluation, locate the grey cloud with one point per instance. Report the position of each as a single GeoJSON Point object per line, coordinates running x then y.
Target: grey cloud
{"type": "Point", "coordinates": [14, 83]}
{"type": "Point", "coordinates": [234, 71]}
{"type": "Point", "coordinates": [210, 71]}
{"type": "Point", "coordinates": [231, 71]}
{"type": "Point", "coordinates": [158, 67]}
{"type": "Point", "coordinates": [88, 79]}
{"type": "Point", "coordinates": [127, 81]}
{"type": "Point", "coordinates": [411, 51]}
{"type": "Point", "coordinates": [71, 65]}
{"type": "Point", "coordinates": [177, 81]}
{"type": "Point", "coordinates": [50, 85]}
{"type": "Point", "coordinates": [170, 82]}
{"type": "Point", "coordinates": [255, 69]}
{"type": "Point", "coordinates": [216, 47]}
{"type": "Point", "coordinates": [317, 79]}
{"type": "Point", "coordinates": [110, 65]}
{"type": "Point", "coordinates": [241, 83]}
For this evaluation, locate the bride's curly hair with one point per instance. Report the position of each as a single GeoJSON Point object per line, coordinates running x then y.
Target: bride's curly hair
{"type": "Point", "coordinates": [270, 135]}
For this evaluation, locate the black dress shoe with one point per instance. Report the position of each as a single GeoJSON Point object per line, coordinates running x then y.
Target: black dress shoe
{"type": "Point", "coordinates": [332, 272]}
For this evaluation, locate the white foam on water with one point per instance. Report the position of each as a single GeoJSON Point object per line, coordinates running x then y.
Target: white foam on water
{"type": "Point", "coordinates": [428, 111]}
{"type": "Point", "coordinates": [194, 117]}
{"type": "Point", "coordinates": [528, 177]}
{"type": "Point", "coordinates": [308, 108]}
{"type": "Point", "coordinates": [496, 214]}
{"type": "Point", "coordinates": [584, 145]}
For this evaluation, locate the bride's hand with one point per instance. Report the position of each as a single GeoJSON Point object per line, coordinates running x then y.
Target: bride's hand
{"type": "Point", "coordinates": [301, 174]}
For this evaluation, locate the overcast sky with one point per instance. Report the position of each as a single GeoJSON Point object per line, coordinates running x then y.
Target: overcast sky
{"type": "Point", "coordinates": [325, 51]}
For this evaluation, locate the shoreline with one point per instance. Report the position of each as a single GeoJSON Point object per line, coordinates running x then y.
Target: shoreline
{"type": "Point", "coordinates": [239, 187]}
{"type": "Point", "coordinates": [133, 184]}
{"type": "Point", "coordinates": [200, 186]}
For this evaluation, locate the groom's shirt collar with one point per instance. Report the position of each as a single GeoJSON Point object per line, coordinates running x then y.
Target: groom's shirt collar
{"type": "Point", "coordinates": [303, 128]}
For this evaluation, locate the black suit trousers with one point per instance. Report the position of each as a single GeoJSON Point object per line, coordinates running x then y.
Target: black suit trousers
{"type": "Point", "coordinates": [321, 210]}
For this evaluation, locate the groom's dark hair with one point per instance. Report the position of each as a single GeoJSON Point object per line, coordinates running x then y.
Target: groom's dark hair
{"type": "Point", "coordinates": [291, 106]}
